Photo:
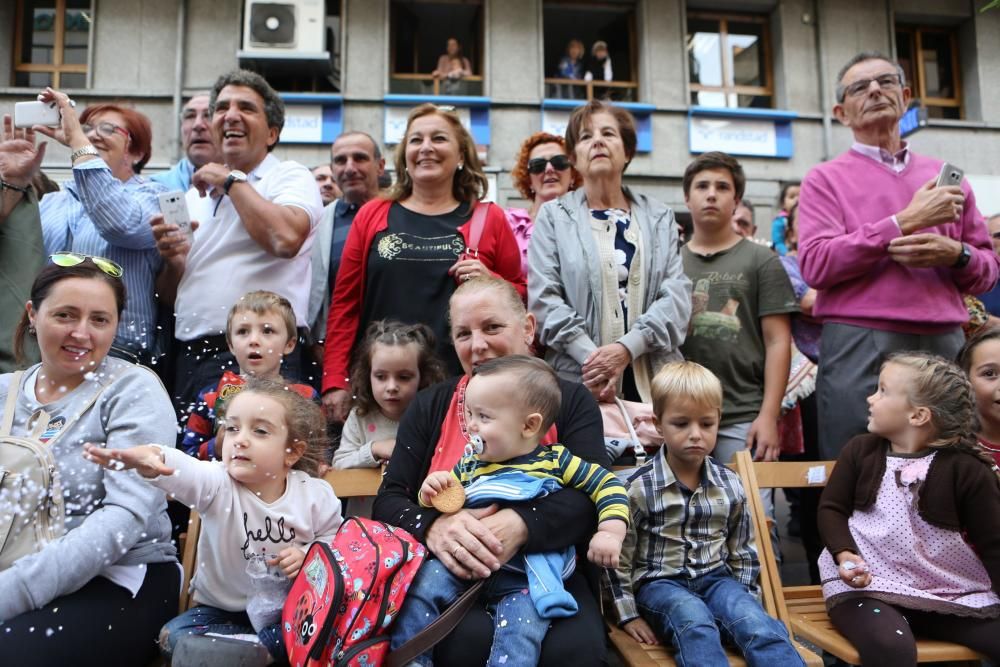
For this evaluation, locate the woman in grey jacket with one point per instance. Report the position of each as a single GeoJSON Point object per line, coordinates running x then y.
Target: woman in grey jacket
{"type": "Point", "coordinates": [605, 280]}
{"type": "Point", "coordinates": [99, 593]}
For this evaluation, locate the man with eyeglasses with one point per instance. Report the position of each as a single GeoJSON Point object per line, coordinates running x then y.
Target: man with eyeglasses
{"type": "Point", "coordinates": [356, 164]}
{"type": "Point", "coordinates": [199, 146]}
{"type": "Point", "coordinates": [889, 253]}
{"type": "Point", "coordinates": [253, 218]}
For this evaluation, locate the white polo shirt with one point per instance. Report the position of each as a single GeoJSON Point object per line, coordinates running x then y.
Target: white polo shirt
{"type": "Point", "coordinates": [225, 262]}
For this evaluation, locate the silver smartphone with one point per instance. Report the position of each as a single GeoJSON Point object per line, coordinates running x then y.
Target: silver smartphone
{"type": "Point", "coordinates": [949, 175]}
{"type": "Point", "coordinates": [173, 206]}
{"type": "Point", "coordinates": [29, 114]}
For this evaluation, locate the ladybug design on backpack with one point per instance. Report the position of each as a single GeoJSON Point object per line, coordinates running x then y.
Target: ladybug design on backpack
{"type": "Point", "coordinates": [345, 597]}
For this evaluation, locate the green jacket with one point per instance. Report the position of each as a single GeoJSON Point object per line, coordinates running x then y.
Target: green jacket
{"type": "Point", "coordinates": [22, 256]}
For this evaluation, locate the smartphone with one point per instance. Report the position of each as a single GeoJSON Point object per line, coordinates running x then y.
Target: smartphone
{"type": "Point", "coordinates": [949, 175]}
{"type": "Point", "coordinates": [174, 208]}
{"type": "Point", "coordinates": [28, 114]}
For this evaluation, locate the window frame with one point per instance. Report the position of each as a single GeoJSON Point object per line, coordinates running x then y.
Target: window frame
{"type": "Point", "coordinates": [479, 65]}
{"type": "Point", "coordinates": [919, 83]}
{"type": "Point", "coordinates": [724, 19]}
{"type": "Point", "coordinates": [588, 86]}
{"type": "Point", "coordinates": [57, 68]}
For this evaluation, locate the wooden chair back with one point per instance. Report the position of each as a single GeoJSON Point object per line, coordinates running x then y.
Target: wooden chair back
{"type": "Point", "coordinates": [189, 556]}
{"type": "Point", "coordinates": [354, 482]}
{"type": "Point", "coordinates": [803, 606]}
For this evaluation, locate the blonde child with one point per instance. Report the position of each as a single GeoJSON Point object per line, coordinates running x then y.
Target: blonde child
{"type": "Point", "coordinates": [689, 568]}
{"type": "Point", "coordinates": [394, 361]}
{"type": "Point", "coordinates": [260, 331]}
{"type": "Point", "coordinates": [259, 506]}
{"type": "Point", "coordinates": [980, 359]}
{"type": "Point", "coordinates": [911, 520]}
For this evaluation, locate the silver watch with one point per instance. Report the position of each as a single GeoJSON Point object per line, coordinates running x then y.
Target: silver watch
{"type": "Point", "coordinates": [235, 176]}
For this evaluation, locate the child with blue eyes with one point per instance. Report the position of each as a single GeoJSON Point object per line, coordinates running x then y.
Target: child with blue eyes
{"type": "Point", "coordinates": [261, 507]}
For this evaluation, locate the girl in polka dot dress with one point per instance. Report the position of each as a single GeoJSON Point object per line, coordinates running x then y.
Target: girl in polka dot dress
{"type": "Point", "coordinates": [393, 363]}
{"type": "Point", "coordinates": [911, 520]}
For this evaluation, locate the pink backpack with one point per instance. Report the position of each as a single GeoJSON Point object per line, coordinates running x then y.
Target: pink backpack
{"type": "Point", "coordinates": [348, 593]}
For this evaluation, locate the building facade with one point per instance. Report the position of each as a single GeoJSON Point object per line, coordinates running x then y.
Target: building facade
{"type": "Point", "coordinates": [754, 77]}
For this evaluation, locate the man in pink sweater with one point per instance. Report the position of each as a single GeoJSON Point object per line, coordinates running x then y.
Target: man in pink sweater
{"type": "Point", "coordinates": [889, 253]}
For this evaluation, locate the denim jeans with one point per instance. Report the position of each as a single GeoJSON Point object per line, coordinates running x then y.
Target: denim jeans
{"type": "Point", "coordinates": [691, 612]}
{"type": "Point", "coordinates": [518, 630]}
{"type": "Point", "coordinates": [203, 619]}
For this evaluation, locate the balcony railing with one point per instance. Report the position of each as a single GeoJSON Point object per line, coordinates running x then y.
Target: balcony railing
{"type": "Point", "coordinates": [578, 89]}
{"type": "Point", "coordinates": [426, 84]}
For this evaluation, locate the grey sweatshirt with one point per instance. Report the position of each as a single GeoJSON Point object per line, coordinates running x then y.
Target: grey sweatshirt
{"type": "Point", "coordinates": [111, 517]}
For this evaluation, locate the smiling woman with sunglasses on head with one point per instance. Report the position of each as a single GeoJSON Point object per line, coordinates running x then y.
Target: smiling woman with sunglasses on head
{"type": "Point", "coordinates": [542, 173]}
{"type": "Point", "coordinates": [106, 208]}
{"type": "Point", "coordinates": [112, 580]}
{"type": "Point", "coordinates": [605, 280]}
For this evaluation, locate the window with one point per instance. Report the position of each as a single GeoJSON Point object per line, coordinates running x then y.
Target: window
{"type": "Point", "coordinates": [51, 43]}
{"type": "Point", "coordinates": [730, 61]}
{"type": "Point", "coordinates": [929, 57]}
{"type": "Point", "coordinates": [432, 44]}
{"type": "Point", "coordinates": [572, 31]}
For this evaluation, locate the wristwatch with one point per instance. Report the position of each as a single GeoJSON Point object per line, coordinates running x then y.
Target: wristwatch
{"type": "Point", "coordinates": [963, 258]}
{"type": "Point", "coordinates": [80, 152]}
{"type": "Point", "coordinates": [235, 176]}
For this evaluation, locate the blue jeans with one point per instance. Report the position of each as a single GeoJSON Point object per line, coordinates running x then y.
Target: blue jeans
{"type": "Point", "coordinates": [203, 619]}
{"type": "Point", "coordinates": [691, 612]}
{"type": "Point", "coordinates": [518, 630]}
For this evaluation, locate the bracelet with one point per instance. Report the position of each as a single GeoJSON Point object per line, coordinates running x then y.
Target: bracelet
{"type": "Point", "coordinates": [80, 152]}
{"type": "Point", "coordinates": [4, 185]}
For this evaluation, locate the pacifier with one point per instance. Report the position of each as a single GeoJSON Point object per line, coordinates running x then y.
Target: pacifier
{"type": "Point", "coordinates": [476, 442]}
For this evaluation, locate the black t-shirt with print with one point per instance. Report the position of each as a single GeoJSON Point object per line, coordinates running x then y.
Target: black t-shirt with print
{"type": "Point", "coordinates": [407, 275]}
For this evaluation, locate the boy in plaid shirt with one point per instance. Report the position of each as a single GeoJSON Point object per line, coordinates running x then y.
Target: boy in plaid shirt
{"type": "Point", "coordinates": [689, 559]}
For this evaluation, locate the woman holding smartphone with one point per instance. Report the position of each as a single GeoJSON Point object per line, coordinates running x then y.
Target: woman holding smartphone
{"type": "Point", "coordinates": [106, 208]}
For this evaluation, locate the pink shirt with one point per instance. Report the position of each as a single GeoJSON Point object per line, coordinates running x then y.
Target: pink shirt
{"type": "Point", "coordinates": [522, 225]}
{"type": "Point", "coordinates": [913, 564]}
{"type": "Point", "coordinates": [846, 222]}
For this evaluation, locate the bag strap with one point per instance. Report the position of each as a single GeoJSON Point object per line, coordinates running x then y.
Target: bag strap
{"type": "Point", "coordinates": [13, 390]}
{"type": "Point", "coordinates": [440, 628]}
{"type": "Point", "coordinates": [89, 404]}
{"type": "Point", "coordinates": [478, 225]}
{"type": "Point", "coordinates": [637, 448]}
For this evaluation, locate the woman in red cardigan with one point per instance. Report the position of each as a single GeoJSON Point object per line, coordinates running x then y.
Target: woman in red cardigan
{"type": "Point", "coordinates": [406, 253]}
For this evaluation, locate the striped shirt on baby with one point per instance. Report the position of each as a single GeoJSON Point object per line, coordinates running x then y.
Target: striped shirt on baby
{"type": "Point", "coordinates": [680, 532]}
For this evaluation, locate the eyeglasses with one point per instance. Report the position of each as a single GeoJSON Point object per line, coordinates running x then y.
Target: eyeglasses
{"type": "Point", "coordinates": [885, 82]}
{"type": "Point", "coordinates": [537, 165]}
{"type": "Point", "coordinates": [105, 129]}
{"type": "Point", "coordinates": [995, 235]}
{"type": "Point", "coordinates": [67, 259]}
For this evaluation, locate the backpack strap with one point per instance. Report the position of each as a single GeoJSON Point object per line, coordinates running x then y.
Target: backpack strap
{"type": "Point", "coordinates": [477, 226]}
{"type": "Point", "coordinates": [13, 390]}
{"type": "Point", "coordinates": [440, 628]}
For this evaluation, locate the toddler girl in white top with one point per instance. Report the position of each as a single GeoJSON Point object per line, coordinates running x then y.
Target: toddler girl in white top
{"type": "Point", "coordinates": [395, 361]}
{"type": "Point", "coordinates": [260, 506]}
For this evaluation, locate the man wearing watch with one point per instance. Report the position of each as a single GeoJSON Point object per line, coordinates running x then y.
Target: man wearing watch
{"type": "Point", "coordinates": [889, 253]}
{"type": "Point", "coordinates": [255, 218]}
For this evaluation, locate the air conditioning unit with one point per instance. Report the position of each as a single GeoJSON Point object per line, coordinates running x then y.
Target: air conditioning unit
{"type": "Point", "coordinates": [270, 28]}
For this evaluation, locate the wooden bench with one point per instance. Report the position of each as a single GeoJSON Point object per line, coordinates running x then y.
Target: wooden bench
{"type": "Point", "coordinates": [634, 654]}
{"type": "Point", "coordinates": [804, 605]}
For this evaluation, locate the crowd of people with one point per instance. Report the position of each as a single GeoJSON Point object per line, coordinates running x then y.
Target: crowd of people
{"type": "Point", "coordinates": [410, 324]}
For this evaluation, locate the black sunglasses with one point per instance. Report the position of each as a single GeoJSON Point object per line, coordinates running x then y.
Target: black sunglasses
{"type": "Point", "coordinates": [537, 166]}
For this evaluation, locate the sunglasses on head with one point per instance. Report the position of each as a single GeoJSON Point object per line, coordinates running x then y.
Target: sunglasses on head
{"type": "Point", "coordinates": [537, 165]}
{"type": "Point", "coordinates": [72, 259]}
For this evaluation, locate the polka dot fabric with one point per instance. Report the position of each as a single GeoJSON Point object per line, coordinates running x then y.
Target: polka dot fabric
{"type": "Point", "coordinates": [909, 558]}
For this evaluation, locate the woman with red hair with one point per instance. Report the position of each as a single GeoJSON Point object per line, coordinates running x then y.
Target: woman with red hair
{"type": "Point", "coordinates": [543, 172]}
{"type": "Point", "coordinates": [105, 210]}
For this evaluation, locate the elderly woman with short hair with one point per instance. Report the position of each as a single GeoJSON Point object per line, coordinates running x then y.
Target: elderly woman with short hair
{"type": "Point", "coordinates": [605, 280]}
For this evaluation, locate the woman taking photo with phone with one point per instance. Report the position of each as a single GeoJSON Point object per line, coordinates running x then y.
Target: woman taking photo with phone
{"type": "Point", "coordinates": [543, 172]}
{"type": "Point", "coordinates": [98, 594]}
{"type": "Point", "coordinates": [106, 208]}
{"type": "Point", "coordinates": [405, 254]}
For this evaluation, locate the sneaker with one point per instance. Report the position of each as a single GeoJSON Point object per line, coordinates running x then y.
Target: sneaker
{"type": "Point", "coordinates": [206, 651]}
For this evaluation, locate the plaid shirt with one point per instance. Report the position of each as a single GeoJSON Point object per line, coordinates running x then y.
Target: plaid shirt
{"type": "Point", "coordinates": [674, 534]}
